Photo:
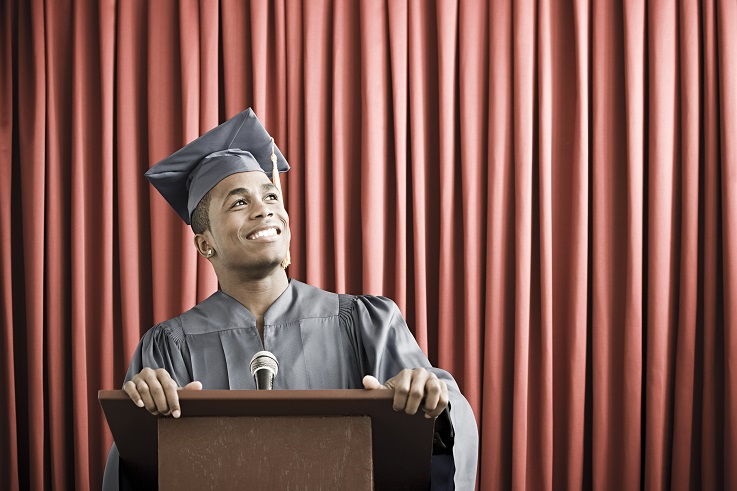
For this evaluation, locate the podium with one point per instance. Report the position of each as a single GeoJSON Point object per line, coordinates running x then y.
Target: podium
{"type": "Point", "coordinates": [280, 439]}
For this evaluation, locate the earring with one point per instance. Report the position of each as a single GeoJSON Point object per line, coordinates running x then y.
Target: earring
{"type": "Point", "coordinates": [209, 253]}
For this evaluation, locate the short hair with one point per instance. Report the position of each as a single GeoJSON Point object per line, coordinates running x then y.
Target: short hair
{"type": "Point", "coordinates": [201, 215]}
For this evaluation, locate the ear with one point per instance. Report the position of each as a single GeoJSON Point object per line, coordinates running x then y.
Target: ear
{"type": "Point", "coordinates": [203, 244]}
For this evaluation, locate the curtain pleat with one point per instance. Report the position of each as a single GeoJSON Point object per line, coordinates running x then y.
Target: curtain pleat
{"type": "Point", "coordinates": [663, 226]}
{"type": "Point", "coordinates": [398, 130]}
{"type": "Point", "coordinates": [727, 49]}
{"type": "Point", "coordinates": [422, 188]}
{"type": "Point", "coordinates": [499, 317]}
{"type": "Point", "coordinates": [548, 189]}
{"type": "Point", "coordinates": [616, 246]}
{"type": "Point", "coordinates": [712, 421]}
{"type": "Point", "coordinates": [473, 79]}
{"type": "Point", "coordinates": [11, 463]}
{"type": "Point", "coordinates": [527, 467]}
{"type": "Point", "coordinates": [31, 148]}
{"type": "Point", "coordinates": [58, 371]}
{"type": "Point", "coordinates": [686, 460]}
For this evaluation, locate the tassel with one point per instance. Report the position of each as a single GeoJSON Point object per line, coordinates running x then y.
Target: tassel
{"type": "Point", "coordinates": [275, 171]}
{"type": "Point", "coordinates": [277, 182]}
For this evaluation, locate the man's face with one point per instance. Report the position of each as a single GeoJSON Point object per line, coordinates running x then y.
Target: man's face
{"type": "Point", "coordinates": [249, 227]}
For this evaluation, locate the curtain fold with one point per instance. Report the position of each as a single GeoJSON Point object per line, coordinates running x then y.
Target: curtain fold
{"type": "Point", "coordinates": [727, 49]}
{"type": "Point", "coordinates": [10, 310]}
{"type": "Point", "coordinates": [547, 188]}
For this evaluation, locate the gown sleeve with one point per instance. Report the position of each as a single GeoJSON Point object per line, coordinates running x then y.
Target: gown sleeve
{"type": "Point", "coordinates": [160, 347]}
{"type": "Point", "coordinates": [385, 347]}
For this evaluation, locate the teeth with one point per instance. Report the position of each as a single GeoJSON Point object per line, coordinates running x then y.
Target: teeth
{"type": "Point", "coordinates": [264, 233]}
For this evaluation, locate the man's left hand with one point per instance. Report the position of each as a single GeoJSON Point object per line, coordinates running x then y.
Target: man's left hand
{"type": "Point", "coordinates": [414, 389]}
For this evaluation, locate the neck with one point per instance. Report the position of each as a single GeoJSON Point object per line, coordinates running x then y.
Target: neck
{"type": "Point", "coordinates": [255, 293]}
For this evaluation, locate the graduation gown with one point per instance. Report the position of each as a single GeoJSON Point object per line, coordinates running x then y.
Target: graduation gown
{"type": "Point", "coordinates": [322, 340]}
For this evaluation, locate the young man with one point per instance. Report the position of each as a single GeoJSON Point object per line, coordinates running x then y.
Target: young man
{"type": "Point", "coordinates": [218, 184]}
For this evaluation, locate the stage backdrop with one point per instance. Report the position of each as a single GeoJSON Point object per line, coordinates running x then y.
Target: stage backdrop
{"type": "Point", "coordinates": [548, 189]}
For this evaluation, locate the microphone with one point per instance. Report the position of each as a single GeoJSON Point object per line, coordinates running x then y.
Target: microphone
{"type": "Point", "coordinates": [264, 368]}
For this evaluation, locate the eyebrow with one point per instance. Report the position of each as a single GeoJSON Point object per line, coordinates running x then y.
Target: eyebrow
{"type": "Point", "coordinates": [236, 191]}
{"type": "Point", "coordinates": [264, 187]}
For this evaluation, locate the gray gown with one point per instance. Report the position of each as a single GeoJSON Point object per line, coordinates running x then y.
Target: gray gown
{"type": "Point", "coordinates": [322, 340]}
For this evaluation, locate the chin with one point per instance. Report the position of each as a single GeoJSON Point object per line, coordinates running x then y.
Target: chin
{"type": "Point", "coordinates": [263, 265]}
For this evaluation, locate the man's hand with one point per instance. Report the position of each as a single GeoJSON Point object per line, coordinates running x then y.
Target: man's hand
{"type": "Point", "coordinates": [157, 391]}
{"type": "Point", "coordinates": [412, 389]}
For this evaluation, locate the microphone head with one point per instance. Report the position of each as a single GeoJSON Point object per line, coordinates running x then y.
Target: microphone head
{"type": "Point", "coordinates": [264, 367]}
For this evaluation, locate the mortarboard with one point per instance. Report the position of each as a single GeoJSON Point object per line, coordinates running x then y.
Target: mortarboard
{"type": "Point", "coordinates": [240, 144]}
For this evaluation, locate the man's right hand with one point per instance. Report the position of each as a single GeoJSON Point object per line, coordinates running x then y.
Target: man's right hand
{"type": "Point", "coordinates": [157, 391]}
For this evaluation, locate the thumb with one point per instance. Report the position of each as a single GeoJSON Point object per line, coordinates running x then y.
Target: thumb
{"type": "Point", "coordinates": [193, 386]}
{"type": "Point", "coordinates": [370, 382]}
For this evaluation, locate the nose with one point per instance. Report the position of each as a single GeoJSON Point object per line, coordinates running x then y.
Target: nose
{"type": "Point", "coordinates": [260, 210]}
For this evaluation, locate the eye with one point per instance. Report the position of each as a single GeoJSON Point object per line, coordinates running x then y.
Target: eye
{"type": "Point", "coordinates": [271, 197]}
{"type": "Point", "coordinates": [239, 202]}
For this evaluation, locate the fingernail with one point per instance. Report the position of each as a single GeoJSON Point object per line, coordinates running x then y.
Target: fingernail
{"type": "Point", "coordinates": [176, 413]}
{"type": "Point", "coordinates": [427, 415]}
{"type": "Point", "coordinates": [139, 403]}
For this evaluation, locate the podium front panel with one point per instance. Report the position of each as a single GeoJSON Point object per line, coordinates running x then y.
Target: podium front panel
{"type": "Point", "coordinates": [265, 453]}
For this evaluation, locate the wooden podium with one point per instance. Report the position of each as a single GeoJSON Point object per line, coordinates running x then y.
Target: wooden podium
{"type": "Point", "coordinates": [280, 439]}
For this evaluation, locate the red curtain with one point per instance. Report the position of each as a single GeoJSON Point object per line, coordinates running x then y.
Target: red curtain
{"type": "Point", "coordinates": [548, 189]}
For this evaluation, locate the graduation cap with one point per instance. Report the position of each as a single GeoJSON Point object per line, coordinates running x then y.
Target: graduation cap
{"type": "Point", "coordinates": [240, 144]}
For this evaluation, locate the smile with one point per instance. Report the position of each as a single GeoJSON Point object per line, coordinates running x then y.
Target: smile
{"type": "Point", "coordinates": [264, 232]}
